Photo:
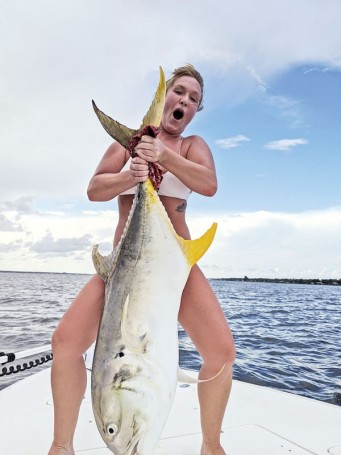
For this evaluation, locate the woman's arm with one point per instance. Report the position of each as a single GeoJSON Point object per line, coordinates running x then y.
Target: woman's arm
{"type": "Point", "coordinates": [196, 171]}
{"type": "Point", "coordinates": [108, 180]}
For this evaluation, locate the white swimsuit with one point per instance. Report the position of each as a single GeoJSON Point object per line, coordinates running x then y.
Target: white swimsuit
{"type": "Point", "coordinates": [170, 186]}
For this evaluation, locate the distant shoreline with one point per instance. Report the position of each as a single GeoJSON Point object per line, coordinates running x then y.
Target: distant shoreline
{"type": "Point", "coordinates": [313, 281]}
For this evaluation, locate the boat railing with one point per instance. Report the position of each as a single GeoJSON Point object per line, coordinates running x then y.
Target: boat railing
{"type": "Point", "coordinates": [11, 357]}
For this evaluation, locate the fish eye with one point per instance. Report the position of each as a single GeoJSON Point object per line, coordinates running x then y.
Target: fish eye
{"type": "Point", "coordinates": [111, 429]}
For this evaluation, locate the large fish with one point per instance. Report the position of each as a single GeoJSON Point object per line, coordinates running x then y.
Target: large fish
{"type": "Point", "coordinates": [134, 372]}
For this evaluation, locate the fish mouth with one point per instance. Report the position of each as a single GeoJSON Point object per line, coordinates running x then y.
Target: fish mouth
{"type": "Point", "coordinates": [133, 446]}
{"type": "Point", "coordinates": [178, 114]}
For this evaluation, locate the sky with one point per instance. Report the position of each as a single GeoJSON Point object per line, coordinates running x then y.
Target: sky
{"type": "Point", "coordinates": [272, 118]}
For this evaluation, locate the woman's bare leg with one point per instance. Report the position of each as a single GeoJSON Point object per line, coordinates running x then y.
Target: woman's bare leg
{"type": "Point", "coordinates": [75, 333]}
{"type": "Point", "coordinates": [204, 321]}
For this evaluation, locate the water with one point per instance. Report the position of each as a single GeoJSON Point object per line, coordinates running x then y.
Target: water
{"type": "Point", "coordinates": [287, 335]}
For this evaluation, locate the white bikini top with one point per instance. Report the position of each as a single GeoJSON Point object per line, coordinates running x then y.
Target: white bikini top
{"type": "Point", "coordinates": [170, 186]}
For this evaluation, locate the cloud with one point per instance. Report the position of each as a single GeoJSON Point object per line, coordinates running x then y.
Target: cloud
{"type": "Point", "coordinates": [318, 69]}
{"type": "Point", "coordinates": [273, 244]}
{"type": "Point", "coordinates": [61, 246]}
{"type": "Point", "coordinates": [50, 139]}
{"type": "Point", "coordinates": [7, 225]}
{"type": "Point", "coordinates": [285, 144]}
{"type": "Point", "coordinates": [47, 125]}
{"type": "Point", "coordinates": [231, 142]}
{"type": "Point", "coordinates": [288, 108]}
{"type": "Point", "coordinates": [260, 243]}
{"type": "Point", "coordinates": [21, 205]}
{"type": "Point", "coordinates": [11, 247]}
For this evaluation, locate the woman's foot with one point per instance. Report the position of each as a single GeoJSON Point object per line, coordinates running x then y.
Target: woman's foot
{"type": "Point", "coordinates": [59, 450]}
{"type": "Point", "coordinates": [216, 450]}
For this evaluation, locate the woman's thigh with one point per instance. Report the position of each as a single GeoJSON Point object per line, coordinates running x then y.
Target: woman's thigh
{"type": "Point", "coordinates": [203, 319]}
{"type": "Point", "coordinates": [78, 328]}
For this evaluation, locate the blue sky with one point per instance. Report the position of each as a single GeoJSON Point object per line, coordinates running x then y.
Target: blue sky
{"type": "Point", "coordinates": [286, 149]}
{"type": "Point", "coordinates": [272, 115]}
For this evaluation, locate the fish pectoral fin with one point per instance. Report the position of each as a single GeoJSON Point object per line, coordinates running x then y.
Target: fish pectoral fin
{"type": "Point", "coordinates": [135, 343]}
{"type": "Point", "coordinates": [184, 377]}
{"type": "Point", "coordinates": [115, 129]}
{"type": "Point", "coordinates": [195, 249]}
{"type": "Point", "coordinates": [154, 114]}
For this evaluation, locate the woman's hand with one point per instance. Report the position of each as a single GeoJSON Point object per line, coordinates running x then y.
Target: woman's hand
{"type": "Point", "coordinates": [138, 169]}
{"type": "Point", "coordinates": [150, 149]}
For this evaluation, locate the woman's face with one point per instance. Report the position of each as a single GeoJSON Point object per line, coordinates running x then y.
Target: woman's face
{"type": "Point", "coordinates": [182, 101]}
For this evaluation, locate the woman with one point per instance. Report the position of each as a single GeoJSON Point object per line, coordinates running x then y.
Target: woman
{"type": "Point", "coordinates": [188, 166]}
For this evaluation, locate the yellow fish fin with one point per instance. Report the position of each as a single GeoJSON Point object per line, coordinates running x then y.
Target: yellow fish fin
{"type": "Point", "coordinates": [154, 114]}
{"type": "Point", "coordinates": [195, 249]}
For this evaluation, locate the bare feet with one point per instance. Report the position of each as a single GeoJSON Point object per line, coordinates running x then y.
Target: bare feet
{"type": "Point", "coordinates": [58, 450]}
{"type": "Point", "coordinates": [217, 450]}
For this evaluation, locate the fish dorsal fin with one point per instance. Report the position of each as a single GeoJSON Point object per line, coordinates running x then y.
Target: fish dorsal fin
{"type": "Point", "coordinates": [154, 114]}
{"type": "Point", "coordinates": [115, 129]}
{"type": "Point", "coordinates": [186, 378]}
{"type": "Point", "coordinates": [195, 249]}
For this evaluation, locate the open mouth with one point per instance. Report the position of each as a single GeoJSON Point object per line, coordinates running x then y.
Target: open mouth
{"type": "Point", "coordinates": [178, 114]}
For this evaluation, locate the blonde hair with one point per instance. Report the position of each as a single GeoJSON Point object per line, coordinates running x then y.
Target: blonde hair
{"type": "Point", "coordinates": [187, 70]}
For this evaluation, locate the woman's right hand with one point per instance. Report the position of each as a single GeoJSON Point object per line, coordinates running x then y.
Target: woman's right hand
{"type": "Point", "coordinates": [138, 170]}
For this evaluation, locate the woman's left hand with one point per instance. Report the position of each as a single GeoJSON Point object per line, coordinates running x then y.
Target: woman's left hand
{"type": "Point", "coordinates": [150, 149]}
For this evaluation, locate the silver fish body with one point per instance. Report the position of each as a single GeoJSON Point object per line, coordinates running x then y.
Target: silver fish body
{"type": "Point", "coordinates": [135, 364]}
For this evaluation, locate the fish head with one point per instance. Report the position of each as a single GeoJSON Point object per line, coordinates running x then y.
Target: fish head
{"type": "Point", "coordinates": [129, 416]}
{"type": "Point", "coordinates": [122, 425]}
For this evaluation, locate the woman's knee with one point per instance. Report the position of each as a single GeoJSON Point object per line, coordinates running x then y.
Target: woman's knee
{"type": "Point", "coordinates": [228, 354]}
{"type": "Point", "coordinates": [78, 327]}
{"type": "Point", "coordinates": [224, 353]}
{"type": "Point", "coordinates": [63, 343]}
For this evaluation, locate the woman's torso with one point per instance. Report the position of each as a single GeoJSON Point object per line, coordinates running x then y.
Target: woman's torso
{"type": "Point", "coordinates": [175, 206]}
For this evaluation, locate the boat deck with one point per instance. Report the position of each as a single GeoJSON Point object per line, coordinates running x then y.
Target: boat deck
{"type": "Point", "coordinates": [259, 421]}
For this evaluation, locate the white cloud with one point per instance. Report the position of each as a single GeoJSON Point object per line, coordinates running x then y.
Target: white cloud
{"type": "Point", "coordinates": [268, 244]}
{"type": "Point", "coordinates": [231, 142]}
{"type": "Point", "coordinates": [288, 108]}
{"type": "Point", "coordinates": [256, 244]}
{"type": "Point", "coordinates": [285, 144]}
{"type": "Point", "coordinates": [61, 246]}
{"type": "Point", "coordinates": [7, 225]}
{"type": "Point", "coordinates": [50, 140]}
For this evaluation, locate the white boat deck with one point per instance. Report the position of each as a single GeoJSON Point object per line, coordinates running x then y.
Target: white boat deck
{"type": "Point", "coordinates": [259, 421]}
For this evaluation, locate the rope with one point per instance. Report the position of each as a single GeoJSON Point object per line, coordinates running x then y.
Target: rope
{"type": "Point", "coordinates": [24, 366]}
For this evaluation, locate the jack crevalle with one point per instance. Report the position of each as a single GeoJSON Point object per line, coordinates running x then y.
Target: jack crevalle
{"type": "Point", "coordinates": [134, 372]}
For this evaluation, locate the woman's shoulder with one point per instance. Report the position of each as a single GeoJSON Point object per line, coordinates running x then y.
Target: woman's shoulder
{"type": "Point", "coordinates": [113, 159]}
{"type": "Point", "coordinates": [195, 140]}
{"type": "Point", "coordinates": [195, 144]}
